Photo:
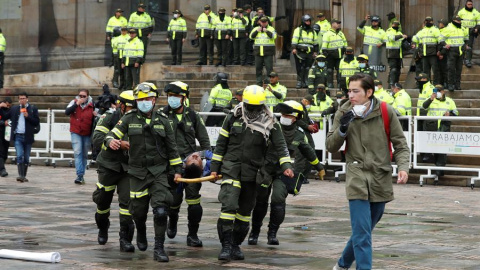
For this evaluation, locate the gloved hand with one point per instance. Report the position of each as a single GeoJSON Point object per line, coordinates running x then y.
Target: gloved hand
{"type": "Point", "coordinates": [345, 121]}
{"type": "Point", "coordinates": [321, 174]}
{"type": "Point", "coordinates": [324, 113]}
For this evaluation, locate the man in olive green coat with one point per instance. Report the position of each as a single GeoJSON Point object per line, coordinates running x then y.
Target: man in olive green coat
{"type": "Point", "coordinates": [369, 186]}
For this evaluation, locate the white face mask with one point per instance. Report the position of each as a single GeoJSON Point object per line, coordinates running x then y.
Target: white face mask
{"type": "Point", "coordinates": [439, 95]}
{"type": "Point", "coordinates": [235, 14]}
{"type": "Point", "coordinates": [321, 64]}
{"type": "Point", "coordinates": [308, 106]}
{"type": "Point", "coordinates": [359, 110]}
{"type": "Point", "coordinates": [362, 65]}
{"type": "Point", "coordinates": [339, 100]}
{"type": "Point", "coordinates": [376, 88]}
{"type": "Point", "coordinates": [175, 16]}
{"type": "Point", "coordinates": [286, 121]}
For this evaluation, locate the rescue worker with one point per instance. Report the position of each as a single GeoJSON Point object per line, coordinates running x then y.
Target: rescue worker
{"type": "Point", "coordinates": [236, 99]}
{"type": "Point", "coordinates": [317, 74]}
{"type": "Point", "coordinates": [470, 20]}
{"type": "Point", "coordinates": [305, 48]}
{"type": "Point", "coordinates": [3, 47]}
{"type": "Point", "coordinates": [439, 105]}
{"type": "Point", "coordinates": [374, 35]}
{"type": "Point", "coordinates": [240, 27]}
{"type": "Point", "coordinates": [402, 104]}
{"type": "Point", "coordinates": [393, 18]}
{"type": "Point", "coordinates": [321, 102]}
{"type": "Point", "coordinates": [428, 40]}
{"type": "Point", "coordinates": [324, 27]}
{"type": "Point", "coordinates": [115, 22]}
{"type": "Point", "coordinates": [271, 173]}
{"type": "Point", "coordinates": [132, 59]}
{"type": "Point", "coordinates": [264, 48]}
{"type": "Point", "coordinates": [348, 67]}
{"type": "Point", "coordinates": [204, 31]}
{"type": "Point", "coordinates": [222, 33]}
{"type": "Point", "coordinates": [302, 165]}
{"type": "Point", "coordinates": [119, 40]}
{"type": "Point", "coordinates": [382, 94]}
{"type": "Point", "coordinates": [143, 23]}
{"type": "Point", "coordinates": [363, 66]}
{"type": "Point", "coordinates": [333, 47]}
{"type": "Point", "coordinates": [455, 39]}
{"type": "Point", "coordinates": [239, 154]}
{"type": "Point", "coordinates": [426, 89]}
{"type": "Point", "coordinates": [443, 59]}
{"type": "Point", "coordinates": [274, 92]}
{"type": "Point", "coordinates": [220, 97]}
{"type": "Point", "coordinates": [176, 35]}
{"type": "Point", "coordinates": [112, 174]}
{"type": "Point", "coordinates": [152, 150]}
{"type": "Point", "coordinates": [187, 126]}
{"type": "Point", "coordinates": [393, 40]}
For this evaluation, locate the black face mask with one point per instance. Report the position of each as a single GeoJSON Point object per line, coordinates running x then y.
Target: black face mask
{"type": "Point", "coordinates": [322, 96]}
{"type": "Point", "coordinates": [222, 16]}
{"type": "Point", "coordinates": [421, 84]}
{"type": "Point", "coordinates": [349, 57]}
{"type": "Point", "coordinates": [468, 9]}
{"type": "Point", "coordinates": [458, 25]}
{"type": "Point", "coordinates": [396, 28]}
{"type": "Point", "coordinates": [428, 24]}
{"type": "Point", "coordinates": [140, 12]}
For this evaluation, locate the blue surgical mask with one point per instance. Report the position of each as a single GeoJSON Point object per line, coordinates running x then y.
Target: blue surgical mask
{"type": "Point", "coordinates": [362, 65]}
{"type": "Point", "coordinates": [321, 64]}
{"type": "Point", "coordinates": [174, 102]}
{"type": "Point", "coordinates": [145, 106]}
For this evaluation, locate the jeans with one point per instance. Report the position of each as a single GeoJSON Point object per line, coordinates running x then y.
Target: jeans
{"type": "Point", "coordinates": [23, 149]}
{"type": "Point", "coordinates": [364, 215]}
{"type": "Point", "coordinates": [80, 145]}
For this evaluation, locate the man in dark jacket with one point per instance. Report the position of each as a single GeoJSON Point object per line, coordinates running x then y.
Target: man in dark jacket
{"type": "Point", "coordinates": [4, 144]}
{"type": "Point", "coordinates": [23, 117]}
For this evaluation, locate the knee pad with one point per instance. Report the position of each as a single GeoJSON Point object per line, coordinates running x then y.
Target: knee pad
{"type": "Point", "coordinates": [160, 214]}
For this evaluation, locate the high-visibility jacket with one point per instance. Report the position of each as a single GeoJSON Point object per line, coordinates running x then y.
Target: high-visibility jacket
{"type": "Point", "coordinates": [393, 40]}
{"type": "Point", "coordinates": [383, 95]}
{"type": "Point", "coordinates": [204, 26]}
{"type": "Point", "coordinates": [470, 19]}
{"type": "Point", "coordinates": [455, 37]}
{"type": "Point", "coordinates": [177, 29]}
{"type": "Point", "coordinates": [115, 22]}
{"type": "Point", "coordinates": [240, 27]}
{"type": "Point", "coordinates": [440, 107]}
{"type": "Point", "coordinates": [272, 100]}
{"type": "Point", "coordinates": [220, 97]}
{"type": "Point", "coordinates": [133, 52]}
{"type": "Point", "coordinates": [254, 23]}
{"type": "Point", "coordinates": [348, 69]}
{"type": "Point", "coordinates": [3, 43]}
{"type": "Point", "coordinates": [372, 36]}
{"type": "Point", "coordinates": [428, 38]}
{"type": "Point", "coordinates": [368, 71]}
{"type": "Point", "coordinates": [390, 23]}
{"type": "Point", "coordinates": [333, 42]}
{"type": "Point", "coordinates": [402, 103]}
{"type": "Point", "coordinates": [426, 93]}
{"type": "Point", "coordinates": [118, 44]}
{"type": "Point", "coordinates": [304, 41]}
{"type": "Point", "coordinates": [143, 23]}
{"type": "Point", "coordinates": [318, 107]}
{"type": "Point", "coordinates": [264, 42]}
{"type": "Point", "coordinates": [324, 26]}
{"type": "Point", "coordinates": [222, 28]}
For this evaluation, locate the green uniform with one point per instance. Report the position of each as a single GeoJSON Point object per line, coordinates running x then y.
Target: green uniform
{"type": "Point", "coordinates": [302, 165]}
{"type": "Point", "coordinates": [319, 105]}
{"type": "Point", "coordinates": [275, 96]}
{"type": "Point", "coordinates": [144, 24]}
{"type": "Point", "coordinates": [346, 69]}
{"type": "Point", "coordinates": [316, 76]}
{"type": "Point", "coordinates": [264, 50]}
{"type": "Point", "coordinates": [3, 46]}
{"type": "Point", "coordinates": [152, 150]}
{"type": "Point", "coordinates": [204, 31]}
{"type": "Point", "coordinates": [176, 33]}
{"type": "Point", "coordinates": [240, 27]}
{"type": "Point", "coordinates": [383, 95]}
{"type": "Point", "coordinates": [393, 40]}
{"type": "Point", "coordinates": [239, 154]}
{"type": "Point", "coordinates": [428, 40]}
{"type": "Point", "coordinates": [132, 53]}
{"type": "Point", "coordinates": [112, 174]}
{"type": "Point", "coordinates": [305, 42]}
{"type": "Point", "coordinates": [333, 47]}
{"type": "Point", "coordinates": [456, 38]}
{"type": "Point", "coordinates": [470, 20]}
{"type": "Point", "coordinates": [367, 71]}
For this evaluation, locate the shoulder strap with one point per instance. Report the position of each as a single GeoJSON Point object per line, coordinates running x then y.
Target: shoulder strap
{"type": "Point", "coordinates": [386, 124]}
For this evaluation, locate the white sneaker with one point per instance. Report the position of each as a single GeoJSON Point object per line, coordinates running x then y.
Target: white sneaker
{"type": "Point", "coordinates": [336, 267]}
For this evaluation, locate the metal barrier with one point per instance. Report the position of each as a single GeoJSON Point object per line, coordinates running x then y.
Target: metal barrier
{"type": "Point", "coordinates": [457, 143]}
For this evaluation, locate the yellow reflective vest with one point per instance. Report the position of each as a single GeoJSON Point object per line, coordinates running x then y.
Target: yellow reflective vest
{"type": "Point", "coordinates": [393, 40]}
{"type": "Point", "coordinates": [426, 93]}
{"type": "Point", "coordinates": [115, 22]}
{"type": "Point", "coordinates": [222, 28]}
{"type": "Point", "coordinates": [133, 52]}
{"type": "Point", "coordinates": [402, 103]}
{"type": "Point", "coordinates": [264, 42]}
{"type": "Point", "coordinates": [118, 44]}
{"type": "Point", "coordinates": [318, 107]}
{"type": "Point", "coordinates": [177, 29]}
{"type": "Point", "coordinates": [3, 43]}
{"type": "Point", "coordinates": [383, 95]}
{"type": "Point", "coordinates": [440, 107]}
{"type": "Point", "coordinates": [143, 23]}
{"type": "Point", "coordinates": [303, 40]}
{"type": "Point", "coordinates": [220, 97]}
{"type": "Point", "coordinates": [372, 36]}
{"type": "Point", "coordinates": [348, 69]}
{"type": "Point", "coordinates": [324, 26]}
{"type": "Point", "coordinates": [455, 37]}
{"type": "Point", "coordinates": [470, 19]}
{"type": "Point", "coordinates": [333, 42]}
{"type": "Point", "coordinates": [240, 27]}
{"type": "Point", "coordinates": [204, 26]}
{"type": "Point", "coordinates": [272, 100]}
{"type": "Point", "coordinates": [428, 38]}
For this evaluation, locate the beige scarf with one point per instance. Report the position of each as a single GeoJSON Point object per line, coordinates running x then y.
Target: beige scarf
{"type": "Point", "coordinates": [263, 123]}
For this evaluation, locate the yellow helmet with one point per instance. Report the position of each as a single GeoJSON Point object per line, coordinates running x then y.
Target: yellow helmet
{"type": "Point", "coordinates": [177, 87]}
{"type": "Point", "coordinates": [362, 57]}
{"type": "Point", "coordinates": [254, 95]}
{"type": "Point", "coordinates": [290, 107]}
{"type": "Point", "coordinates": [144, 90]}
{"type": "Point", "coordinates": [126, 97]}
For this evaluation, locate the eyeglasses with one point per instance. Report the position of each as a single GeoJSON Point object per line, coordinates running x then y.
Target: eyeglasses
{"type": "Point", "coordinates": [82, 96]}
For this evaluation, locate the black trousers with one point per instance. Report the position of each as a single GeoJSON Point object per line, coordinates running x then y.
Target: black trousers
{"type": "Point", "coordinates": [176, 45]}
{"type": "Point", "coordinates": [223, 46]}
{"type": "Point", "coordinates": [132, 76]}
{"type": "Point", "coordinates": [2, 64]}
{"type": "Point", "coordinates": [455, 65]}
{"type": "Point", "coordinates": [206, 47]}
{"type": "Point", "coordinates": [431, 63]}
{"type": "Point", "coordinates": [239, 50]}
{"type": "Point", "coordinates": [302, 66]}
{"type": "Point", "coordinates": [395, 65]}
{"type": "Point", "coordinates": [332, 63]}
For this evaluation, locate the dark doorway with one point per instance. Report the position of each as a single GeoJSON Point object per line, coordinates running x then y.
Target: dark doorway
{"type": "Point", "coordinates": [158, 9]}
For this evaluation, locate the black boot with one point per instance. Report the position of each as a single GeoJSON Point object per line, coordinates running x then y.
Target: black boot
{"type": "Point", "coordinates": [258, 214]}
{"type": "Point", "coordinates": [195, 213]}
{"type": "Point", "coordinates": [126, 236]}
{"type": "Point", "coordinates": [277, 215]}
{"type": "Point", "coordinates": [25, 169]}
{"type": "Point", "coordinates": [225, 236]}
{"type": "Point", "coordinates": [240, 231]}
{"type": "Point", "coordinates": [159, 253]}
{"type": "Point", "coordinates": [192, 237]}
{"type": "Point", "coordinates": [20, 177]}
{"type": "Point", "coordinates": [142, 242]}
{"type": "Point", "coordinates": [3, 172]}
{"type": "Point", "coordinates": [299, 85]}
{"type": "Point", "coordinates": [272, 235]}
{"type": "Point", "coordinates": [103, 223]}
{"type": "Point", "coordinates": [172, 223]}
{"type": "Point", "coordinates": [254, 233]}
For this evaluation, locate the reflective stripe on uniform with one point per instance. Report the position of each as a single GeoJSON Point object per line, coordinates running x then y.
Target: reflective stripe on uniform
{"type": "Point", "coordinates": [124, 212]}
{"type": "Point", "coordinates": [243, 218]}
{"type": "Point", "coordinates": [232, 182]}
{"type": "Point", "coordinates": [315, 162]}
{"type": "Point", "coordinates": [192, 202]}
{"type": "Point", "coordinates": [118, 133]}
{"type": "Point", "coordinates": [102, 129]}
{"type": "Point", "coordinates": [217, 157]}
{"type": "Point", "coordinates": [102, 212]}
{"type": "Point", "coordinates": [107, 188]}
{"type": "Point", "coordinates": [285, 159]}
{"type": "Point", "coordinates": [175, 161]}
{"type": "Point", "coordinates": [175, 207]}
{"type": "Point", "coordinates": [139, 194]}
{"type": "Point", "coordinates": [227, 216]}
{"type": "Point", "coordinates": [224, 133]}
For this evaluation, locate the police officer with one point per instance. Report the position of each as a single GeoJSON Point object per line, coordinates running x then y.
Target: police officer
{"type": "Point", "coordinates": [428, 40]}
{"type": "Point", "coordinates": [439, 105]}
{"type": "Point", "coordinates": [393, 18]}
{"type": "Point", "coordinates": [120, 38]}
{"type": "Point", "coordinates": [115, 22]}
{"type": "Point", "coordinates": [348, 67]}
{"type": "Point", "coordinates": [249, 47]}
{"type": "Point", "coordinates": [321, 103]}
{"type": "Point", "coordinates": [204, 31]}
{"type": "Point", "coordinates": [324, 26]}
{"type": "Point", "coordinates": [471, 21]}
{"type": "Point", "coordinates": [236, 99]}
{"type": "Point", "coordinates": [176, 35]}
{"type": "Point", "coordinates": [374, 35]}
{"type": "Point", "coordinates": [402, 104]}
{"type": "Point", "coordinates": [305, 48]}
{"type": "Point", "coordinates": [442, 59]}
{"type": "Point", "coordinates": [426, 89]}
{"type": "Point", "coordinates": [455, 39]}
{"type": "Point", "coordinates": [222, 33]}
{"type": "Point", "coordinates": [333, 47]}
{"type": "Point", "coordinates": [393, 39]}
{"type": "Point", "coordinates": [152, 150]}
{"type": "Point", "coordinates": [143, 23]}
{"type": "Point", "coordinates": [264, 48]}
{"type": "Point", "coordinates": [239, 154]}
{"type": "Point", "coordinates": [187, 126]}
{"type": "Point", "coordinates": [302, 165]}
{"type": "Point", "coordinates": [381, 93]}
{"type": "Point", "coordinates": [112, 174]}
{"type": "Point", "coordinates": [132, 59]}
{"type": "Point", "coordinates": [240, 27]}
{"type": "Point", "coordinates": [274, 92]}
{"type": "Point", "coordinates": [271, 173]}
{"type": "Point", "coordinates": [363, 66]}
{"type": "Point", "coordinates": [3, 47]}
{"type": "Point", "coordinates": [220, 96]}
{"type": "Point", "coordinates": [317, 74]}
